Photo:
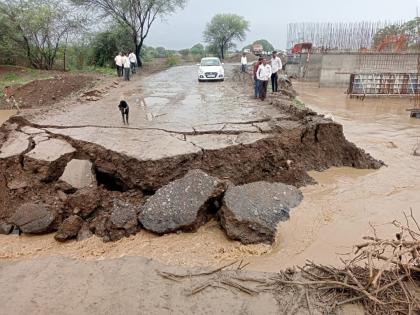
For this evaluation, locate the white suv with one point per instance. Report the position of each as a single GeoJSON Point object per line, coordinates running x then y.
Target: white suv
{"type": "Point", "coordinates": [211, 69]}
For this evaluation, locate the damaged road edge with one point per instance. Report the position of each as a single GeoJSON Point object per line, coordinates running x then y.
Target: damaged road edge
{"type": "Point", "coordinates": [115, 198]}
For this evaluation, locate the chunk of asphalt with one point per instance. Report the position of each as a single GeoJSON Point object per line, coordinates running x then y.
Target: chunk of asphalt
{"type": "Point", "coordinates": [182, 204]}
{"type": "Point", "coordinates": [251, 213]}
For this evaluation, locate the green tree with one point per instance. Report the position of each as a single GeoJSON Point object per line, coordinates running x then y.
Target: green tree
{"type": "Point", "coordinates": [197, 50]}
{"type": "Point", "coordinates": [148, 53]}
{"type": "Point", "coordinates": [267, 46]}
{"type": "Point", "coordinates": [106, 45]}
{"type": "Point", "coordinates": [212, 50]}
{"type": "Point", "coordinates": [40, 27]}
{"type": "Point", "coordinates": [161, 52]}
{"type": "Point", "coordinates": [223, 30]}
{"type": "Point", "coordinates": [184, 52]}
{"type": "Point", "coordinates": [410, 30]}
{"type": "Point", "coordinates": [137, 15]}
{"type": "Point", "coordinates": [9, 50]}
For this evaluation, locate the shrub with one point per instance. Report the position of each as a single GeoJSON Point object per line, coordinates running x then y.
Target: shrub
{"type": "Point", "coordinates": [172, 61]}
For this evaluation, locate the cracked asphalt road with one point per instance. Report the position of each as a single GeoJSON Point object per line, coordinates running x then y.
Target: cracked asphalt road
{"type": "Point", "coordinates": [179, 115]}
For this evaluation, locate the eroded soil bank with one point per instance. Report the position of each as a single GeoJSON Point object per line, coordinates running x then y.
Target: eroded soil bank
{"type": "Point", "coordinates": [290, 146]}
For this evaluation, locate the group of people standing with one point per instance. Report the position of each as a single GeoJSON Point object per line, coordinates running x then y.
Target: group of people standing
{"type": "Point", "coordinates": [126, 65]}
{"type": "Point", "coordinates": [263, 72]}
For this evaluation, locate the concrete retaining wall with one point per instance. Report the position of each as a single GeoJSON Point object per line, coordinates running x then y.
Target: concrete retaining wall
{"type": "Point", "coordinates": [308, 70]}
{"type": "Point", "coordinates": [336, 68]}
{"type": "Point", "coordinates": [333, 70]}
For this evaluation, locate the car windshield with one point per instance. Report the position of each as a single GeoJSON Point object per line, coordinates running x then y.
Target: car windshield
{"type": "Point", "coordinates": [210, 62]}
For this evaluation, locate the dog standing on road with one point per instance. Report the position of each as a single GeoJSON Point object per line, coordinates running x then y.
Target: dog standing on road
{"type": "Point", "coordinates": [124, 109]}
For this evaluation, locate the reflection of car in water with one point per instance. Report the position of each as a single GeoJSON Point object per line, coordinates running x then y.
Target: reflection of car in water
{"type": "Point", "coordinates": [211, 69]}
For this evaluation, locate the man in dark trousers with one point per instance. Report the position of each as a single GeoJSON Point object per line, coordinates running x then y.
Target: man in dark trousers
{"type": "Point", "coordinates": [119, 64]}
{"type": "Point", "coordinates": [263, 75]}
{"type": "Point", "coordinates": [124, 109]}
{"type": "Point", "coordinates": [256, 81]}
{"type": "Point", "coordinates": [276, 66]}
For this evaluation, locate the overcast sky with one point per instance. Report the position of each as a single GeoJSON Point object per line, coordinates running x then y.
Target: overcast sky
{"type": "Point", "coordinates": [185, 28]}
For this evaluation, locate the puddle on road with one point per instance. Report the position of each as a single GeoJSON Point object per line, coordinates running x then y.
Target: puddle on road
{"type": "Point", "coordinates": [335, 214]}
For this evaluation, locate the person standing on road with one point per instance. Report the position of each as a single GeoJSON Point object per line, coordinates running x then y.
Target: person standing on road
{"type": "Point", "coordinates": [119, 64]}
{"type": "Point", "coordinates": [263, 75]}
{"type": "Point", "coordinates": [127, 67]}
{"type": "Point", "coordinates": [256, 81]}
{"type": "Point", "coordinates": [133, 62]}
{"type": "Point", "coordinates": [276, 66]}
{"type": "Point", "coordinates": [244, 62]}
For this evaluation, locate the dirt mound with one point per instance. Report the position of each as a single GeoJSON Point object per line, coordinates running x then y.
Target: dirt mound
{"type": "Point", "coordinates": [41, 93]}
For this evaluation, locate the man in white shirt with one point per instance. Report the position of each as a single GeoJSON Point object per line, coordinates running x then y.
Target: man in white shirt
{"type": "Point", "coordinates": [119, 64]}
{"type": "Point", "coordinates": [244, 62]}
{"type": "Point", "coordinates": [127, 67]}
{"type": "Point", "coordinates": [263, 75]}
{"type": "Point", "coordinates": [133, 62]}
{"type": "Point", "coordinates": [276, 66]}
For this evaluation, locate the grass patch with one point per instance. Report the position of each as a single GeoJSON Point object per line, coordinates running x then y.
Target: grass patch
{"type": "Point", "coordinates": [102, 70]}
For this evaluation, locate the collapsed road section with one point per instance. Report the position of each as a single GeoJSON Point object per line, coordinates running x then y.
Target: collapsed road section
{"type": "Point", "coordinates": [80, 181]}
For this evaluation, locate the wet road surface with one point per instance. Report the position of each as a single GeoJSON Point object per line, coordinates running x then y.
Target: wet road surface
{"type": "Point", "coordinates": [174, 100]}
{"type": "Point", "coordinates": [163, 109]}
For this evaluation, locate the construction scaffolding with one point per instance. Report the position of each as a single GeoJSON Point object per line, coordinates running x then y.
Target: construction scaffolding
{"type": "Point", "coordinates": [346, 37]}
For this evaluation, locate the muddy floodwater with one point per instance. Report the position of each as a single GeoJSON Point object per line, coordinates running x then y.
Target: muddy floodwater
{"type": "Point", "coordinates": [335, 214]}
{"type": "Point", "coordinates": [5, 114]}
{"type": "Point", "coordinates": [338, 212]}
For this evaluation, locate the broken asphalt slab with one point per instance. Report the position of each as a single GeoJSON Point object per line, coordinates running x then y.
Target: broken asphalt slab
{"type": "Point", "coordinates": [78, 174]}
{"type": "Point", "coordinates": [183, 204]}
{"type": "Point", "coordinates": [251, 213]}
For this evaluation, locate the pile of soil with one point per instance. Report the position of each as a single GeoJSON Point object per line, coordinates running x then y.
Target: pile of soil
{"type": "Point", "coordinates": [41, 93]}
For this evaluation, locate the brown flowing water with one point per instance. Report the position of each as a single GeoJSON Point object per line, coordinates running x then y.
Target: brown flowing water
{"type": "Point", "coordinates": [5, 115]}
{"type": "Point", "coordinates": [347, 202]}
{"type": "Point", "coordinates": [335, 214]}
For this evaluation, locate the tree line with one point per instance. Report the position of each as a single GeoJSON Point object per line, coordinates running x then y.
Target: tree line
{"type": "Point", "coordinates": [44, 33]}
{"type": "Point", "coordinates": [39, 31]}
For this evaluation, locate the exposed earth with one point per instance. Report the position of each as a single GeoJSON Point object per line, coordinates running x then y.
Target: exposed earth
{"type": "Point", "coordinates": [180, 126]}
{"type": "Point", "coordinates": [175, 127]}
{"type": "Point", "coordinates": [44, 88]}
